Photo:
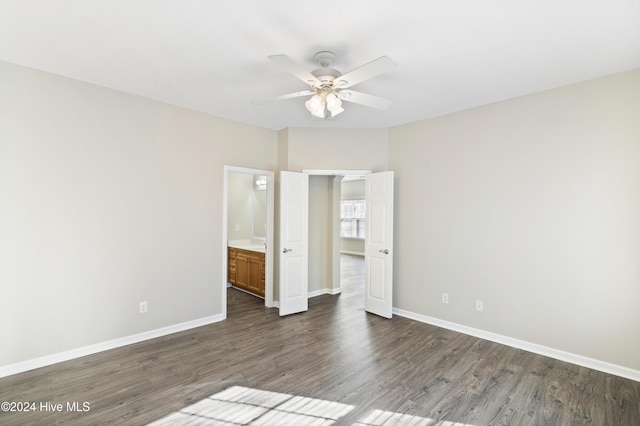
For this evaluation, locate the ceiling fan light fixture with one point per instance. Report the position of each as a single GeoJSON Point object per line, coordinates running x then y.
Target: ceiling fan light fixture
{"type": "Point", "coordinates": [337, 111]}
{"type": "Point", "coordinates": [314, 103]}
{"type": "Point", "coordinates": [327, 85]}
{"type": "Point", "coordinates": [319, 112]}
{"type": "Point", "coordinates": [334, 103]}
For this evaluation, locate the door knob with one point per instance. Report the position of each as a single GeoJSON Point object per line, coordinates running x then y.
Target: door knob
{"type": "Point", "coordinates": [286, 250]}
{"type": "Point", "coordinates": [385, 251]}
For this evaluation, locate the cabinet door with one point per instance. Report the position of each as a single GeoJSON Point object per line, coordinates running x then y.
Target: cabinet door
{"type": "Point", "coordinates": [253, 283]}
{"type": "Point", "coordinates": [242, 269]}
{"type": "Point", "coordinates": [249, 269]}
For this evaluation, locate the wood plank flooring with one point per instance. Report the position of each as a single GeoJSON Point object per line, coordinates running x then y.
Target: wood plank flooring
{"type": "Point", "coordinates": [305, 368]}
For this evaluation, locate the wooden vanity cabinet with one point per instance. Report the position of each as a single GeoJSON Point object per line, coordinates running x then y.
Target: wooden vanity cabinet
{"type": "Point", "coordinates": [231, 265]}
{"type": "Point", "coordinates": [247, 270]}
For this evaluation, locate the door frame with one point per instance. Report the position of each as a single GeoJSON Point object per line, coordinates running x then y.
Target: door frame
{"type": "Point", "coordinates": [268, 291]}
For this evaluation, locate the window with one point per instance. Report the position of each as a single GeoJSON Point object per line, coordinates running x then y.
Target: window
{"type": "Point", "coordinates": [352, 218]}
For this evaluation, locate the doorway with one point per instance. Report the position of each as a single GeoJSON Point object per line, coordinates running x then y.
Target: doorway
{"type": "Point", "coordinates": [257, 224]}
{"type": "Point", "coordinates": [352, 279]}
{"type": "Point", "coordinates": [352, 219]}
{"type": "Point", "coordinates": [378, 260]}
{"type": "Point", "coordinates": [325, 242]}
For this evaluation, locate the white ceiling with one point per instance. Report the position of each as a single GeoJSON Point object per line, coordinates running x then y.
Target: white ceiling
{"type": "Point", "coordinates": [211, 55]}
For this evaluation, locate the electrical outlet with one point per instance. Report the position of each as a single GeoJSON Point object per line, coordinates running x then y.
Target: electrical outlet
{"type": "Point", "coordinates": [144, 307]}
{"type": "Point", "coordinates": [445, 298]}
{"type": "Point", "coordinates": [237, 227]}
{"type": "Point", "coordinates": [479, 306]}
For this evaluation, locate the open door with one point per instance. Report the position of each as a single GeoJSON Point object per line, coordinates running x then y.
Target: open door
{"type": "Point", "coordinates": [378, 247]}
{"type": "Point", "coordinates": [294, 242]}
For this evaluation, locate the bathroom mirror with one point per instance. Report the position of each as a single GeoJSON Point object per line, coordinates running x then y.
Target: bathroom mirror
{"type": "Point", "coordinates": [259, 208]}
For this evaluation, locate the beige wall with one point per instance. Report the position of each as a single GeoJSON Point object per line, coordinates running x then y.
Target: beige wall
{"type": "Point", "coordinates": [320, 232]}
{"type": "Point", "coordinates": [108, 199]}
{"type": "Point", "coordinates": [337, 149]}
{"type": "Point", "coordinates": [533, 206]}
{"type": "Point", "coordinates": [283, 149]}
{"type": "Point", "coordinates": [353, 189]}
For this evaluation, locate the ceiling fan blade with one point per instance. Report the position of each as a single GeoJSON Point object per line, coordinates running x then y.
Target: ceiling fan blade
{"type": "Point", "coordinates": [365, 72]}
{"type": "Point", "coordinates": [288, 65]}
{"type": "Point", "coordinates": [364, 99]}
{"type": "Point", "coordinates": [284, 97]}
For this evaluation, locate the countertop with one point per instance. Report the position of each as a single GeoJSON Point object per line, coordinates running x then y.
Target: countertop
{"type": "Point", "coordinates": [247, 245]}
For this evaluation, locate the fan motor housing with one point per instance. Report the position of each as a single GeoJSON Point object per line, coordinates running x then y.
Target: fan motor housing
{"type": "Point", "coordinates": [326, 75]}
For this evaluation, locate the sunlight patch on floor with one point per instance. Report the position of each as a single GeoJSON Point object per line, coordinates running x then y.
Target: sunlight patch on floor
{"type": "Point", "coordinates": [238, 406]}
{"type": "Point", "coordinates": [244, 406]}
{"type": "Point", "coordinates": [389, 418]}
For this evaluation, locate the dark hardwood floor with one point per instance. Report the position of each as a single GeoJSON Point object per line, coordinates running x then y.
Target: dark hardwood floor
{"type": "Point", "coordinates": [334, 364]}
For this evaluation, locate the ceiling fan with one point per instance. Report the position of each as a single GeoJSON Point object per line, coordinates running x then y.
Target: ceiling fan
{"type": "Point", "coordinates": [329, 87]}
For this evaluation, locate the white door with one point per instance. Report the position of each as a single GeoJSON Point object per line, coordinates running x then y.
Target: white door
{"type": "Point", "coordinates": [294, 242]}
{"type": "Point", "coordinates": [378, 246]}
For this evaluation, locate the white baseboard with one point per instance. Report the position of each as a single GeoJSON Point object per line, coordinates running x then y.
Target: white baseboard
{"type": "Point", "coordinates": [583, 361]}
{"type": "Point", "coordinates": [595, 364]}
{"type": "Point", "coordinates": [20, 367]}
{"type": "Point", "coordinates": [332, 291]}
{"type": "Point", "coordinates": [248, 292]}
{"type": "Point", "coordinates": [356, 253]}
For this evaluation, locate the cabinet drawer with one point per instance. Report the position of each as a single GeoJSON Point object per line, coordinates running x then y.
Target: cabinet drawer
{"type": "Point", "coordinates": [249, 255]}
